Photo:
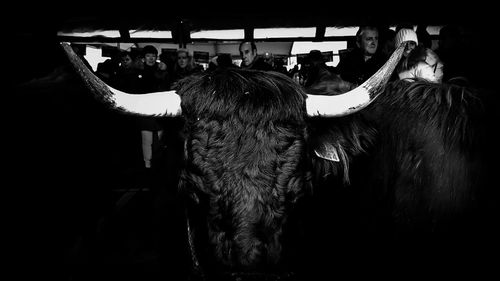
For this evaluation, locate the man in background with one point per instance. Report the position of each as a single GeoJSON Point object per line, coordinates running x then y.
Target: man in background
{"type": "Point", "coordinates": [250, 58]}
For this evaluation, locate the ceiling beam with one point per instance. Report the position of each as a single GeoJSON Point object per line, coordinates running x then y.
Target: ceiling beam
{"type": "Point", "coordinates": [124, 33]}
{"type": "Point", "coordinates": [320, 33]}
{"type": "Point", "coordinates": [249, 33]}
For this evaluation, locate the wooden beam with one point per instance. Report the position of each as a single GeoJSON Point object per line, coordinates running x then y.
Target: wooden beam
{"type": "Point", "coordinates": [124, 33]}
{"type": "Point", "coordinates": [249, 33]}
{"type": "Point", "coordinates": [320, 33]}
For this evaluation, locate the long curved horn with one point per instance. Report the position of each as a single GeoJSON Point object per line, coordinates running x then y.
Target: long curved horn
{"type": "Point", "coordinates": [358, 98]}
{"type": "Point", "coordinates": [166, 103]}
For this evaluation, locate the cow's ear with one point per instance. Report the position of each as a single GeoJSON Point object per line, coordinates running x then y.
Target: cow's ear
{"type": "Point", "coordinates": [327, 151]}
{"type": "Point", "coordinates": [335, 142]}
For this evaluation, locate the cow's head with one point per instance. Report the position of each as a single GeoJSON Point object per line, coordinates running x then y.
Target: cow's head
{"type": "Point", "coordinates": [247, 155]}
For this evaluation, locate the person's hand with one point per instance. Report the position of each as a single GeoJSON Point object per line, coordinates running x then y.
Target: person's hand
{"type": "Point", "coordinates": [162, 66]}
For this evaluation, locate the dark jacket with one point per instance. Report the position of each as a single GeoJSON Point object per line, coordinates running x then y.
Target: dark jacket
{"type": "Point", "coordinates": [321, 80]}
{"type": "Point", "coordinates": [259, 64]}
{"type": "Point", "coordinates": [127, 80]}
{"type": "Point", "coordinates": [353, 67]}
{"type": "Point", "coordinates": [153, 79]}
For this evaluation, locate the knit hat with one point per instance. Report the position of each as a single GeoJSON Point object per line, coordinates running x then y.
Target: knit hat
{"type": "Point", "coordinates": [405, 34]}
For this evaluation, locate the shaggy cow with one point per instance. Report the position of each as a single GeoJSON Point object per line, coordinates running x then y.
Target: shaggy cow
{"type": "Point", "coordinates": [254, 142]}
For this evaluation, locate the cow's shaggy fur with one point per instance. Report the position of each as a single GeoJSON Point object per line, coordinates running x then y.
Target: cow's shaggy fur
{"type": "Point", "coordinates": [428, 155]}
{"type": "Point", "coordinates": [245, 143]}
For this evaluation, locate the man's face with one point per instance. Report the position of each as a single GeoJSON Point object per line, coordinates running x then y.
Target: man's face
{"type": "Point", "coordinates": [247, 54]}
{"type": "Point", "coordinates": [150, 59]}
{"type": "Point", "coordinates": [369, 41]}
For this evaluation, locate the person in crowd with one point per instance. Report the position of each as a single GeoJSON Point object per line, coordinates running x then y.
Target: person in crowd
{"type": "Point", "coordinates": [154, 74]}
{"type": "Point", "coordinates": [183, 67]}
{"type": "Point", "coordinates": [212, 64]}
{"type": "Point", "coordinates": [424, 36]}
{"type": "Point", "coordinates": [421, 63]}
{"type": "Point", "coordinates": [451, 49]}
{"type": "Point", "coordinates": [107, 69]}
{"type": "Point", "coordinates": [279, 66]}
{"type": "Point", "coordinates": [316, 67]}
{"type": "Point", "coordinates": [406, 34]}
{"type": "Point", "coordinates": [225, 61]}
{"type": "Point", "coordinates": [137, 58]}
{"type": "Point", "coordinates": [320, 79]}
{"type": "Point", "coordinates": [153, 78]}
{"type": "Point", "coordinates": [127, 77]}
{"type": "Point", "coordinates": [250, 57]}
{"type": "Point", "coordinates": [387, 43]}
{"type": "Point", "coordinates": [363, 61]}
{"type": "Point", "coordinates": [418, 61]}
{"type": "Point", "coordinates": [269, 59]}
{"type": "Point", "coordinates": [293, 71]}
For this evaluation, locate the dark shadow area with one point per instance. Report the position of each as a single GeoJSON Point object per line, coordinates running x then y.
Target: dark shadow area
{"type": "Point", "coordinates": [81, 204]}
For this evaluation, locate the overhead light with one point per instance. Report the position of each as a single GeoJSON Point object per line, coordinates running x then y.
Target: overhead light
{"type": "Point", "coordinates": [151, 34]}
{"type": "Point", "coordinates": [292, 32]}
{"type": "Point", "coordinates": [234, 34]}
{"type": "Point", "coordinates": [301, 47]}
{"type": "Point", "coordinates": [97, 33]}
{"type": "Point", "coordinates": [341, 31]}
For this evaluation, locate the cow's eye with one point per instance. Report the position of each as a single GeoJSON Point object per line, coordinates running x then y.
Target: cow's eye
{"type": "Point", "coordinates": [194, 197]}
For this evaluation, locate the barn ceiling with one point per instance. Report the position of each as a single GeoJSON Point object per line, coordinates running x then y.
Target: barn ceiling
{"type": "Point", "coordinates": [36, 25]}
{"type": "Point", "coordinates": [166, 15]}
